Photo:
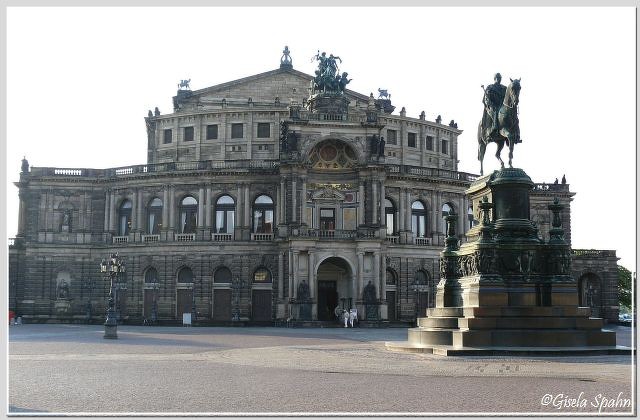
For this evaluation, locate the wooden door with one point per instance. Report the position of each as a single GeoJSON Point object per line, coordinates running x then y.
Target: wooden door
{"type": "Point", "coordinates": [391, 306]}
{"type": "Point", "coordinates": [222, 305]}
{"type": "Point", "coordinates": [184, 302]}
{"type": "Point", "coordinates": [261, 305]}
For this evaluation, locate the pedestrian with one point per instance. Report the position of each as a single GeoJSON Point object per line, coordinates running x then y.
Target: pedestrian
{"type": "Point", "coordinates": [345, 317]}
{"type": "Point", "coordinates": [353, 316]}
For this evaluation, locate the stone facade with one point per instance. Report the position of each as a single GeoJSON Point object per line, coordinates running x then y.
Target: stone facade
{"type": "Point", "coordinates": [234, 210]}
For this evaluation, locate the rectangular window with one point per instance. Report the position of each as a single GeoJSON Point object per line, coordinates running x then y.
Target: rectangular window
{"type": "Point", "coordinates": [188, 134]}
{"type": "Point", "coordinates": [236, 131]}
{"type": "Point", "coordinates": [264, 130]}
{"type": "Point", "coordinates": [392, 137]}
{"type": "Point", "coordinates": [167, 136]}
{"type": "Point", "coordinates": [429, 144]}
{"type": "Point", "coordinates": [443, 149]}
{"type": "Point", "coordinates": [411, 140]}
{"type": "Point", "coordinates": [212, 132]}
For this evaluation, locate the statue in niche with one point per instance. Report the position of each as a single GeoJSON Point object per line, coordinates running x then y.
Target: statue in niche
{"type": "Point", "coordinates": [369, 293]}
{"type": "Point", "coordinates": [381, 145]}
{"type": "Point", "coordinates": [63, 290]}
{"type": "Point", "coordinates": [303, 294]}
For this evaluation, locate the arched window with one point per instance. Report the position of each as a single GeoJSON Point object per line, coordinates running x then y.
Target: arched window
{"type": "Point", "coordinates": [185, 275]}
{"type": "Point", "coordinates": [151, 275]}
{"type": "Point", "coordinates": [391, 276]}
{"type": "Point", "coordinates": [188, 215]}
{"type": "Point", "coordinates": [225, 212]}
{"type": "Point", "coordinates": [390, 216]}
{"type": "Point", "coordinates": [263, 214]}
{"type": "Point", "coordinates": [154, 216]}
{"type": "Point", "coordinates": [470, 217]}
{"type": "Point", "coordinates": [418, 219]}
{"type": "Point", "coordinates": [447, 209]}
{"type": "Point", "coordinates": [421, 277]}
{"type": "Point", "coordinates": [124, 218]}
{"type": "Point", "coordinates": [262, 275]}
{"type": "Point", "coordinates": [222, 275]}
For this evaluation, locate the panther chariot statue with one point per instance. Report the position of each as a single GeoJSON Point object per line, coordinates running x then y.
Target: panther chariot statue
{"type": "Point", "coordinates": [328, 79]}
{"type": "Point", "coordinates": [499, 122]}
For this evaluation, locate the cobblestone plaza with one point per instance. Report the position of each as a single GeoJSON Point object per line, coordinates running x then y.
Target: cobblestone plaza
{"type": "Point", "coordinates": [72, 369]}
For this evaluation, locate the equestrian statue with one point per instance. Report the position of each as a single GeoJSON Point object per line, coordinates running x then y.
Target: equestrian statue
{"type": "Point", "coordinates": [499, 122]}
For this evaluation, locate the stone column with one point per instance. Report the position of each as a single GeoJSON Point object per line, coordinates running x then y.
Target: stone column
{"type": "Point", "coordinates": [434, 221]}
{"type": "Point", "coordinates": [172, 209]}
{"type": "Point", "coordinates": [277, 220]}
{"type": "Point", "coordinates": [290, 264]}
{"type": "Point", "coordinates": [312, 275]}
{"type": "Point", "coordinates": [383, 276]}
{"type": "Point", "coordinates": [361, 204]}
{"type": "Point", "coordinates": [376, 273]}
{"type": "Point", "coordinates": [201, 201]}
{"type": "Point", "coordinates": [280, 275]}
{"type": "Point", "coordinates": [461, 215]}
{"type": "Point", "coordinates": [21, 214]}
{"type": "Point", "coordinates": [374, 204]}
{"type": "Point", "coordinates": [140, 218]}
{"type": "Point", "coordinates": [207, 209]}
{"type": "Point", "coordinates": [134, 210]}
{"type": "Point", "coordinates": [303, 201]}
{"type": "Point", "coordinates": [382, 205]}
{"type": "Point", "coordinates": [239, 211]}
{"type": "Point", "coordinates": [107, 196]}
{"type": "Point", "coordinates": [283, 201]}
{"type": "Point", "coordinates": [360, 285]}
{"type": "Point", "coordinates": [247, 208]}
{"type": "Point", "coordinates": [401, 211]}
{"type": "Point", "coordinates": [407, 218]}
{"type": "Point", "coordinates": [165, 208]}
{"type": "Point", "coordinates": [296, 271]}
{"type": "Point", "coordinates": [294, 202]}
{"type": "Point", "coordinates": [112, 212]}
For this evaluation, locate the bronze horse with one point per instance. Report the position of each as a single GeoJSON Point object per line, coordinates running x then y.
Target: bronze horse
{"type": "Point", "coordinates": [508, 128]}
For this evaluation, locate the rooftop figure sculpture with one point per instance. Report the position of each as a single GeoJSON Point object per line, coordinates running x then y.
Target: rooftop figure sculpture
{"type": "Point", "coordinates": [499, 121]}
{"type": "Point", "coordinates": [328, 78]}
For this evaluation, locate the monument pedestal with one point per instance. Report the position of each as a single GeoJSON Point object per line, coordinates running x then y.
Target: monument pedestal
{"type": "Point", "coordinates": [507, 291]}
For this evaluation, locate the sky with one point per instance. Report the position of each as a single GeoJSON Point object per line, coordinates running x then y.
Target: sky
{"type": "Point", "coordinates": [81, 80]}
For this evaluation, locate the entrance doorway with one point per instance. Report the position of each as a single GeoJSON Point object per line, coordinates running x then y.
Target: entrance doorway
{"type": "Point", "coordinates": [327, 300]}
{"type": "Point", "coordinates": [335, 287]}
{"type": "Point", "coordinates": [184, 302]}
{"type": "Point", "coordinates": [261, 305]}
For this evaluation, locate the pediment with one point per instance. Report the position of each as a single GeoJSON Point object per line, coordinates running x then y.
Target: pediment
{"type": "Point", "coordinates": [328, 194]}
{"type": "Point", "coordinates": [282, 83]}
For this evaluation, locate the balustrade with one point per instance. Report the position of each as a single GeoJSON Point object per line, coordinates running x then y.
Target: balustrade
{"type": "Point", "coordinates": [262, 236]}
{"type": "Point", "coordinates": [221, 237]}
{"type": "Point", "coordinates": [120, 239]}
{"type": "Point", "coordinates": [185, 237]}
{"type": "Point", "coordinates": [393, 239]}
{"type": "Point", "coordinates": [150, 238]}
{"type": "Point", "coordinates": [422, 241]}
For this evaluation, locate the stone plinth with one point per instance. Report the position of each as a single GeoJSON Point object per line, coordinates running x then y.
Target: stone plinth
{"type": "Point", "coordinates": [328, 103]}
{"type": "Point", "coordinates": [507, 290]}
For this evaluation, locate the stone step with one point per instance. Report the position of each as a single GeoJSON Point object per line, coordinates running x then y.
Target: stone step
{"type": "Point", "coordinates": [427, 336]}
{"type": "Point", "coordinates": [532, 338]}
{"type": "Point", "coordinates": [446, 312]}
{"type": "Point", "coordinates": [530, 323]}
{"type": "Point", "coordinates": [438, 322]}
{"type": "Point", "coordinates": [513, 311]}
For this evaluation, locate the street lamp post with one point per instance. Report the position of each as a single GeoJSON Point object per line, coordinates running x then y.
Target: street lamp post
{"type": "Point", "coordinates": [113, 267]}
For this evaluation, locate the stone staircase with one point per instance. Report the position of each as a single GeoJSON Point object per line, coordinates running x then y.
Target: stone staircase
{"type": "Point", "coordinates": [503, 330]}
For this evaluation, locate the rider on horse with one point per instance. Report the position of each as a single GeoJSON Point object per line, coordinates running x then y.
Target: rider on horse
{"type": "Point", "coordinates": [493, 98]}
